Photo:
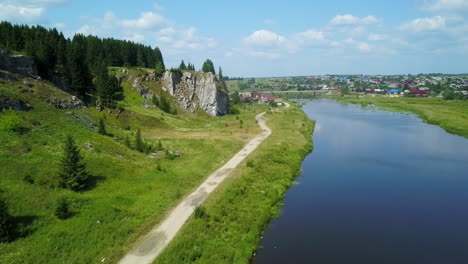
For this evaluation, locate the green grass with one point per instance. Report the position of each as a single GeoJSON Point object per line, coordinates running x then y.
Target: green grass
{"type": "Point", "coordinates": [452, 116]}
{"type": "Point", "coordinates": [235, 216]}
{"type": "Point", "coordinates": [130, 195]}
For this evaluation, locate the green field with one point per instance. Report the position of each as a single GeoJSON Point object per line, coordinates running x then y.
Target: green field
{"type": "Point", "coordinates": [129, 191]}
{"type": "Point", "coordinates": [452, 116]}
{"type": "Point", "coordinates": [230, 225]}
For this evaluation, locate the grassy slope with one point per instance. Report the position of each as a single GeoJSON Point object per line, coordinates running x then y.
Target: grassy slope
{"type": "Point", "coordinates": [240, 209]}
{"type": "Point", "coordinates": [130, 195]}
{"type": "Point", "coordinates": [450, 115]}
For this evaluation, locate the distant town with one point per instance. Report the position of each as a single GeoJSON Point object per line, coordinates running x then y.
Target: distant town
{"type": "Point", "coordinates": [434, 85]}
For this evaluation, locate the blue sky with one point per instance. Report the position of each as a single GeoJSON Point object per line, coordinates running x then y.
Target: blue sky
{"type": "Point", "coordinates": [260, 38]}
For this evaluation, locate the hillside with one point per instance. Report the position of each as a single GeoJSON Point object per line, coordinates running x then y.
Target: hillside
{"type": "Point", "coordinates": [128, 191]}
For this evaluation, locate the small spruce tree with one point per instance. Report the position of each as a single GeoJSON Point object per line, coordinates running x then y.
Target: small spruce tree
{"type": "Point", "coordinates": [73, 174]}
{"type": "Point", "coordinates": [102, 127]}
{"type": "Point", "coordinates": [139, 144]}
{"type": "Point", "coordinates": [62, 211]}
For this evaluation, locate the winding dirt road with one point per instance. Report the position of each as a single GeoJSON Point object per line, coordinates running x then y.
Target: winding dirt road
{"type": "Point", "coordinates": [152, 244]}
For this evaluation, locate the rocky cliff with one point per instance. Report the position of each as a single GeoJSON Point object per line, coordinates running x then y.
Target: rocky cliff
{"type": "Point", "coordinates": [195, 91]}
{"type": "Point", "coordinates": [17, 64]}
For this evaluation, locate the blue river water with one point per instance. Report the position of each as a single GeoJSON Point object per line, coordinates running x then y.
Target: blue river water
{"type": "Point", "coordinates": [379, 187]}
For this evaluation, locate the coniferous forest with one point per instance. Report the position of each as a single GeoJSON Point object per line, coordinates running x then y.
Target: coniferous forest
{"type": "Point", "coordinates": [77, 60]}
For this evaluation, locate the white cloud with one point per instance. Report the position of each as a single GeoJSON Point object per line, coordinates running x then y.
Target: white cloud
{"type": "Point", "coordinates": [265, 38]}
{"type": "Point", "coordinates": [446, 5]}
{"type": "Point", "coordinates": [348, 19]}
{"type": "Point", "coordinates": [425, 24]}
{"type": "Point", "coordinates": [25, 10]}
{"type": "Point", "coordinates": [360, 45]}
{"type": "Point", "coordinates": [147, 20]}
{"type": "Point", "coordinates": [378, 37]}
{"type": "Point", "coordinates": [135, 37]}
{"type": "Point", "coordinates": [311, 35]}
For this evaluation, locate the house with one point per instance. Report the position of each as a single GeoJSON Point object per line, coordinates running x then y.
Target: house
{"type": "Point", "coordinates": [394, 91]}
{"type": "Point", "coordinates": [418, 92]}
{"type": "Point", "coordinates": [262, 97]}
{"type": "Point", "coordinates": [278, 101]}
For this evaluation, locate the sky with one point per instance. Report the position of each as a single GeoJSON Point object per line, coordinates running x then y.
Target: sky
{"type": "Point", "coordinates": [266, 38]}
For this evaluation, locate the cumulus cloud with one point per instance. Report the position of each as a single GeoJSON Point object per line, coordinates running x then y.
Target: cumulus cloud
{"type": "Point", "coordinates": [425, 24]}
{"type": "Point", "coordinates": [265, 38]}
{"type": "Point", "coordinates": [349, 20]}
{"type": "Point", "coordinates": [360, 45]}
{"type": "Point", "coordinates": [147, 20]}
{"type": "Point", "coordinates": [25, 10]}
{"type": "Point", "coordinates": [446, 5]}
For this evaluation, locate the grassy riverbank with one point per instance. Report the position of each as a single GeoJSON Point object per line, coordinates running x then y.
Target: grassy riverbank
{"type": "Point", "coordinates": [452, 116]}
{"type": "Point", "coordinates": [227, 229]}
{"type": "Point", "coordinates": [130, 191]}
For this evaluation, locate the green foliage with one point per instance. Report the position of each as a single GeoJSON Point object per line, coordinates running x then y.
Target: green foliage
{"type": "Point", "coordinates": [182, 66]}
{"type": "Point", "coordinates": [250, 164]}
{"type": "Point", "coordinates": [159, 69]}
{"type": "Point", "coordinates": [102, 127]}
{"type": "Point", "coordinates": [73, 174]}
{"type": "Point", "coordinates": [108, 90]}
{"type": "Point", "coordinates": [272, 103]}
{"type": "Point", "coordinates": [208, 66]}
{"type": "Point", "coordinates": [62, 209]}
{"type": "Point", "coordinates": [344, 90]}
{"type": "Point", "coordinates": [75, 59]}
{"type": "Point", "coordinates": [220, 73]}
{"type": "Point", "coordinates": [10, 121]}
{"type": "Point", "coordinates": [5, 222]}
{"type": "Point", "coordinates": [200, 211]}
{"type": "Point", "coordinates": [138, 142]}
{"type": "Point", "coordinates": [163, 103]}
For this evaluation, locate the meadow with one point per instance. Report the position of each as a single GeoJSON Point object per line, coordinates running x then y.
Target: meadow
{"type": "Point", "coordinates": [128, 192]}
{"type": "Point", "coordinates": [228, 227]}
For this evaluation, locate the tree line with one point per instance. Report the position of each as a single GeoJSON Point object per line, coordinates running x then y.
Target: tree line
{"type": "Point", "coordinates": [79, 59]}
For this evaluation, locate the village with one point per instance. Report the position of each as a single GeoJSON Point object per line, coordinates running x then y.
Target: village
{"type": "Point", "coordinates": [393, 85]}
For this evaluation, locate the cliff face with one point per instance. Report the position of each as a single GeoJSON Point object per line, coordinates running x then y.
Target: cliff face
{"type": "Point", "coordinates": [195, 91]}
{"type": "Point", "coordinates": [17, 64]}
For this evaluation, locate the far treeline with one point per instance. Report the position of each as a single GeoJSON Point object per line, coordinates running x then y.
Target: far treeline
{"type": "Point", "coordinates": [77, 60]}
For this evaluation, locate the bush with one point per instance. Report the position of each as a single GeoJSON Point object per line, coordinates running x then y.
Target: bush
{"type": "Point", "coordinates": [102, 127]}
{"type": "Point", "coordinates": [200, 211]}
{"type": "Point", "coordinates": [10, 121]}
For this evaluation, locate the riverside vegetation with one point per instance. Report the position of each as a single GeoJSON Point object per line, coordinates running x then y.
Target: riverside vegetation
{"type": "Point", "coordinates": [452, 116]}
{"type": "Point", "coordinates": [227, 229]}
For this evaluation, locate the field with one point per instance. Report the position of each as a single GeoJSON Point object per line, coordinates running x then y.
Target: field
{"type": "Point", "coordinates": [227, 229]}
{"type": "Point", "coordinates": [129, 191]}
{"type": "Point", "coordinates": [452, 116]}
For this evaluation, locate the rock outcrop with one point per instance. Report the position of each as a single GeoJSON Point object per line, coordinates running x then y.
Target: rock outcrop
{"type": "Point", "coordinates": [71, 103]}
{"type": "Point", "coordinates": [17, 64]}
{"type": "Point", "coordinates": [195, 91]}
{"type": "Point", "coordinates": [7, 102]}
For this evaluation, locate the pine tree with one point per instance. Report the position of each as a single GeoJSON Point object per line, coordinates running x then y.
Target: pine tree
{"type": "Point", "coordinates": [139, 144]}
{"type": "Point", "coordinates": [73, 174]}
{"type": "Point", "coordinates": [182, 66]}
{"type": "Point", "coordinates": [5, 222]}
{"type": "Point", "coordinates": [62, 211]}
{"type": "Point", "coordinates": [220, 72]}
{"type": "Point", "coordinates": [208, 66]}
{"type": "Point", "coordinates": [102, 127]}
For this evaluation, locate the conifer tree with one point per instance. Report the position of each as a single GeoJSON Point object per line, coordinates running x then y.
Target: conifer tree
{"type": "Point", "coordinates": [102, 127]}
{"type": "Point", "coordinates": [139, 145]}
{"type": "Point", "coordinates": [208, 66]}
{"type": "Point", "coordinates": [220, 72]}
{"type": "Point", "coordinates": [182, 66]}
{"type": "Point", "coordinates": [62, 211]}
{"type": "Point", "coordinates": [73, 174]}
{"type": "Point", "coordinates": [160, 69]}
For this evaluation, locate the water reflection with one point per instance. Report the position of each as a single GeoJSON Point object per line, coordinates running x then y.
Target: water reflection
{"type": "Point", "coordinates": [380, 187]}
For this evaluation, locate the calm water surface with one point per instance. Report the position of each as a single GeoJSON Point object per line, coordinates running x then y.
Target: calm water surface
{"type": "Point", "coordinates": [379, 187]}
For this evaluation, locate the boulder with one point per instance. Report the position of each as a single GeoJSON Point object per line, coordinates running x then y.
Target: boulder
{"type": "Point", "coordinates": [71, 103]}
{"type": "Point", "coordinates": [13, 103]}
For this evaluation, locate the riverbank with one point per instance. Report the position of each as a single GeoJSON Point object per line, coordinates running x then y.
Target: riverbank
{"type": "Point", "coordinates": [227, 229]}
{"type": "Point", "coordinates": [452, 116]}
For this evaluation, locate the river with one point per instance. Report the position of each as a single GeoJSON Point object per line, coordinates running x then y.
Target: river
{"type": "Point", "coordinates": [379, 187]}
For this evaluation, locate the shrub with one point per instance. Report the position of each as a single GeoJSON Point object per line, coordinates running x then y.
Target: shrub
{"type": "Point", "coordinates": [200, 211]}
{"type": "Point", "coordinates": [10, 121]}
{"type": "Point", "coordinates": [102, 127]}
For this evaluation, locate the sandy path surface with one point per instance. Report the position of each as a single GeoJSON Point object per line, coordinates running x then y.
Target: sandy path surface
{"type": "Point", "coordinates": [152, 244]}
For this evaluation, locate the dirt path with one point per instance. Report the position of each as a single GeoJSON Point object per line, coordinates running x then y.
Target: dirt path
{"type": "Point", "coordinates": [151, 245]}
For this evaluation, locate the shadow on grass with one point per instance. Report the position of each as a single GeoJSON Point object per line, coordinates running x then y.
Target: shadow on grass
{"type": "Point", "coordinates": [21, 226]}
{"type": "Point", "coordinates": [92, 182]}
